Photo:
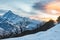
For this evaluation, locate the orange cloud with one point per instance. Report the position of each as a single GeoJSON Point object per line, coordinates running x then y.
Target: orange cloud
{"type": "Point", "coordinates": [53, 7]}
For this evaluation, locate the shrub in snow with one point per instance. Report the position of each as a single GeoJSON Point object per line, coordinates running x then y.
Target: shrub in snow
{"type": "Point", "coordinates": [58, 19]}
{"type": "Point", "coordinates": [47, 25]}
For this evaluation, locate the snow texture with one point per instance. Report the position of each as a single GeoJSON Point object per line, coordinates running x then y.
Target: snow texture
{"type": "Point", "coordinates": [51, 34]}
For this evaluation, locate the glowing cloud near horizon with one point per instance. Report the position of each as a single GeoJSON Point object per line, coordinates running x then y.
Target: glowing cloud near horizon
{"type": "Point", "coordinates": [52, 12]}
{"type": "Point", "coordinates": [53, 8]}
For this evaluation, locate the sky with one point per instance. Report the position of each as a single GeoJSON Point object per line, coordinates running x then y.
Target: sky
{"type": "Point", "coordinates": [28, 8]}
{"type": "Point", "coordinates": [22, 6]}
{"type": "Point", "coordinates": [17, 6]}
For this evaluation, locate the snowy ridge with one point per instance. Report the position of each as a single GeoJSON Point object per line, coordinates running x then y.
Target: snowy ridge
{"type": "Point", "coordinates": [51, 34]}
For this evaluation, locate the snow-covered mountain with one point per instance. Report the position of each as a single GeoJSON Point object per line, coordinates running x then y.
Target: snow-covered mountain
{"type": "Point", "coordinates": [14, 24]}
{"type": "Point", "coordinates": [10, 16]}
{"type": "Point", "coordinates": [51, 34]}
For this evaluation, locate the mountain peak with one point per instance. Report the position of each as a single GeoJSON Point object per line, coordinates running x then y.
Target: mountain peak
{"type": "Point", "coordinates": [8, 13]}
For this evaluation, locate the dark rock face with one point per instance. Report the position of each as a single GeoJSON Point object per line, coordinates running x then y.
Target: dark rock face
{"type": "Point", "coordinates": [58, 19]}
{"type": "Point", "coordinates": [44, 27]}
{"type": "Point", "coordinates": [47, 25]}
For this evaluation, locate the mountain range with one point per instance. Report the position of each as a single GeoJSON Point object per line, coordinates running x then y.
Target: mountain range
{"type": "Point", "coordinates": [11, 23]}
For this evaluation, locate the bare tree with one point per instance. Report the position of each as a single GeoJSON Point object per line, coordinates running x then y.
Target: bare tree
{"type": "Point", "coordinates": [58, 19]}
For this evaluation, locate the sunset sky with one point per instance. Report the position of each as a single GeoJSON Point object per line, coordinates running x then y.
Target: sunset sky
{"type": "Point", "coordinates": [29, 8]}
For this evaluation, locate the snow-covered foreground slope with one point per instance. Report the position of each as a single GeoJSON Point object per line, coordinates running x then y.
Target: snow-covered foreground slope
{"type": "Point", "coordinates": [51, 34]}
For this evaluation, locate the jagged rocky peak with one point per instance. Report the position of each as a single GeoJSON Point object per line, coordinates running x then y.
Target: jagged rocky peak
{"type": "Point", "coordinates": [9, 13]}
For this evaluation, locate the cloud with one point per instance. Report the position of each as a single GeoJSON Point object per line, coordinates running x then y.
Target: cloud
{"type": "Point", "coordinates": [2, 11]}
{"type": "Point", "coordinates": [13, 5]}
{"type": "Point", "coordinates": [19, 7]}
{"type": "Point", "coordinates": [40, 5]}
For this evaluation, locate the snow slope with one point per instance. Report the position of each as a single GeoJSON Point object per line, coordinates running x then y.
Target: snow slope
{"type": "Point", "coordinates": [51, 34]}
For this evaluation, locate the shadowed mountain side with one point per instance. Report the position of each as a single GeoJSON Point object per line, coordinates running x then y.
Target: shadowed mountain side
{"type": "Point", "coordinates": [45, 27]}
